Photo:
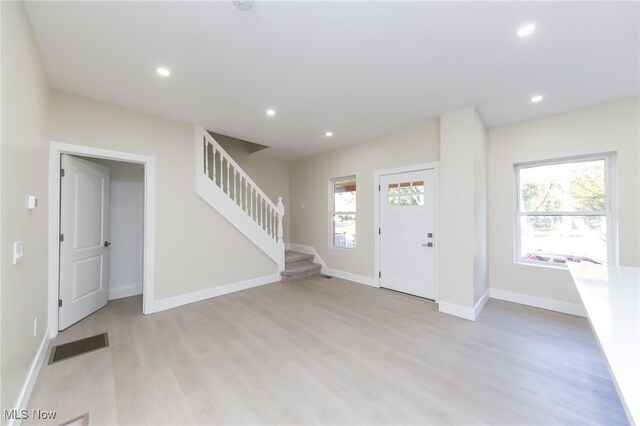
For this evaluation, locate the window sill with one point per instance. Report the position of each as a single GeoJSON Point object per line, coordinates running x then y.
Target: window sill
{"type": "Point", "coordinates": [342, 248]}
{"type": "Point", "coordinates": [562, 266]}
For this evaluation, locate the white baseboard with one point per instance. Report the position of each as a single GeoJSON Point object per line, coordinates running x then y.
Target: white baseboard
{"type": "Point", "coordinates": [456, 310]}
{"type": "Point", "coordinates": [120, 292]}
{"type": "Point", "coordinates": [197, 296]}
{"type": "Point", "coordinates": [27, 388]}
{"type": "Point", "coordinates": [360, 279]}
{"type": "Point", "coordinates": [307, 250]}
{"type": "Point", "coordinates": [462, 311]}
{"type": "Point", "coordinates": [480, 305]}
{"type": "Point", "coordinates": [538, 302]}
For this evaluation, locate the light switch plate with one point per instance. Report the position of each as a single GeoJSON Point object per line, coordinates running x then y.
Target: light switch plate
{"type": "Point", "coordinates": [17, 252]}
{"type": "Point", "coordinates": [32, 202]}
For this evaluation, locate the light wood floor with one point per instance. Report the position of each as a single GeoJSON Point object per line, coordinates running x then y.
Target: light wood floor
{"type": "Point", "coordinates": [327, 351]}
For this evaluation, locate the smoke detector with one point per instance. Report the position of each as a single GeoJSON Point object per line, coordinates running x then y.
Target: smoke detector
{"type": "Point", "coordinates": [243, 4]}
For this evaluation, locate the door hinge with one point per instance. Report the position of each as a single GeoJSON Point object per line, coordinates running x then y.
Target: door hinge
{"type": "Point", "coordinates": [61, 172]}
{"type": "Point", "coordinates": [379, 274]}
{"type": "Point", "coordinates": [61, 237]}
{"type": "Point", "coordinates": [59, 303]}
{"type": "Point", "coordinates": [379, 231]}
{"type": "Point", "coordinates": [378, 187]}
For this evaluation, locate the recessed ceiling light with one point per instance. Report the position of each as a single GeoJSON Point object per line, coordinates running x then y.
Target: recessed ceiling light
{"type": "Point", "coordinates": [243, 4]}
{"type": "Point", "coordinates": [271, 112]}
{"type": "Point", "coordinates": [329, 134]}
{"type": "Point", "coordinates": [163, 71]}
{"type": "Point", "coordinates": [536, 98]}
{"type": "Point", "coordinates": [526, 30]}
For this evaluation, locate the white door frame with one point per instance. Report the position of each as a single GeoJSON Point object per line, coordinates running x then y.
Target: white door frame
{"type": "Point", "coordinates": [376, 213]}
{"type": "Point", "coordinates": [55, 152]}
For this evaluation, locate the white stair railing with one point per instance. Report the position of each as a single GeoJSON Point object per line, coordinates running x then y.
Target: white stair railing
{"type": "Point", "coordinates": [226, 187]}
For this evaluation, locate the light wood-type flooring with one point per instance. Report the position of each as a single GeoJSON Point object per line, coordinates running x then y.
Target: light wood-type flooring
{"type": "Point", "coordinates": [328, 351]}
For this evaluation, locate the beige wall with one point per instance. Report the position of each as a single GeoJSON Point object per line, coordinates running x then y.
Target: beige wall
{"type": "Point", "coordinates": [309, 190]}
{"type": "Point", "coordinates": [462, 208]}
{"type": "Point", "coordinates": [196, 248]}
{"type": "Point", "coordinates": [603, 128]}
{"type": "Point", "coordinates": [25, 94]}
{"type": "Point", "coordinates": [271, 175]}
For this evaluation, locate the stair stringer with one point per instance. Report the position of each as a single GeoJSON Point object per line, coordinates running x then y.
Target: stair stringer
{"type": "Point", "coordinates": [223, 204]}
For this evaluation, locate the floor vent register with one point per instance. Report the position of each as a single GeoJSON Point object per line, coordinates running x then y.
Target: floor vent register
{"type": "Point", "coordinates": [78, 347]}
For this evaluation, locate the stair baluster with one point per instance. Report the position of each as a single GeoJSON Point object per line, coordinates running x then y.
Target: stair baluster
{"type": "Point", "coordinates": [241, 193]}
{"type": "Point", "coordinates": [228, 186]}
{"type": "Point", "coordinates": [205, 146]}
{"type": "Point", "coordinates": [235, 185]}
{"type": "Point", "coordinates": [213, 163]}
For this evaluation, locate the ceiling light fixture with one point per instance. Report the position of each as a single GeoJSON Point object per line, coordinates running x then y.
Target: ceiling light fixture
{"type": "Point", "coordinates": [536, 98]}
{"type": "Point", "coordinates": [271, 112]}
{"type": "Point", "coordinates": [526, 30]}
{"type": "Point", "coordinates": [243, 5]}
{"type": "Point", "coordinates": [163, 71]}
{"type": "Point", "coordinates": [329, 134]}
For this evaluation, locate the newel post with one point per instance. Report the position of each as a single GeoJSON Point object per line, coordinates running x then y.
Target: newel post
{"type": "Point", "coordinates": [280, 214]}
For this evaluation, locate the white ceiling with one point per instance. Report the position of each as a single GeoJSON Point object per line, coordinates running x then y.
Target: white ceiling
{"type": "Point", "coordinates": [360, 69]}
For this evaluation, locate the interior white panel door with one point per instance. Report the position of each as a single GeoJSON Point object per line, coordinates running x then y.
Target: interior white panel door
{"type": "Point", "coordinates": [407, 222]}
{"type": "Point", "coordinates": [84, 251]}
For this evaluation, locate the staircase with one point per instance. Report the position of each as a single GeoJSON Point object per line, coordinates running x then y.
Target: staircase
{"type": "Point", "coordinates": [222, 183]}
{"type": "Point", "coordinates": [299, 265]}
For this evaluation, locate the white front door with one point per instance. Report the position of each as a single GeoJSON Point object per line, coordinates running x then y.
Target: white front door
{"type": "Point", "coordinates": [407, 222]}
{"type": "Point", "coordinates": [84, 228]}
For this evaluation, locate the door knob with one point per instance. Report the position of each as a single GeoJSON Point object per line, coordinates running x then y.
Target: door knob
{"type": "Point", "coordinates": [107, 243]}
{"type": "Point", "coordinates": [427, 244]}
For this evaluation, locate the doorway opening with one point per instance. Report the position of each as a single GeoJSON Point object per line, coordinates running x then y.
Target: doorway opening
{"type": "Point", "coordinates": [123, 184]}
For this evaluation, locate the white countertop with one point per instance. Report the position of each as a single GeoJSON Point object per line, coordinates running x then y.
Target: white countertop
{"type": "Point", "coordinates": [611, 297]}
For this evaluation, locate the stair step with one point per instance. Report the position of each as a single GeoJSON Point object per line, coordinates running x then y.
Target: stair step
{"type": "Point", "coordinates": [301, 269]}
{"type": "Point", "coordinates": [309, 270]}
{"type": "Point", "coordinates": [295, 256]}
{"type": "Point", "coordinates": [298, 264]}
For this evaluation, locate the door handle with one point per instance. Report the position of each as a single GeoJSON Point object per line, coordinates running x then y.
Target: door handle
{"type": "Point", "coordinates": [427, 244]}
{"type": "Point", "coordinates": [107, 243]}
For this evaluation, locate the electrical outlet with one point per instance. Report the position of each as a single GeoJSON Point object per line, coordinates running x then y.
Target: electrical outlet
{"type": "Point", "coordinates": [35, 326]}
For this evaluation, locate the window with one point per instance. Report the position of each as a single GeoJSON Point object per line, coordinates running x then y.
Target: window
{"type": "Point", "coordinates": [406, 194]}
{"type": "Point", "coordinates": [564, 211]}
{"type": "Point", "coordinates": [343, 212]}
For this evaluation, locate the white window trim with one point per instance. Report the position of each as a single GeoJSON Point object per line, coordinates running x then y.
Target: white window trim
{"type": "Point", "coordinates": [611, 206]}
{"type": "Point", "coordinates": [332, 211]}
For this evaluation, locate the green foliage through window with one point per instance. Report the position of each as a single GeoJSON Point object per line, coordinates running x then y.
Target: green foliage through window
{"type": "Point", "coordinates": [587, 186]}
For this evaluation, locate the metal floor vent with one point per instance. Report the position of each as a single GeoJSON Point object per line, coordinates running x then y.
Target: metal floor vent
{"type": "Point", "coordinates": [78, 347]}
